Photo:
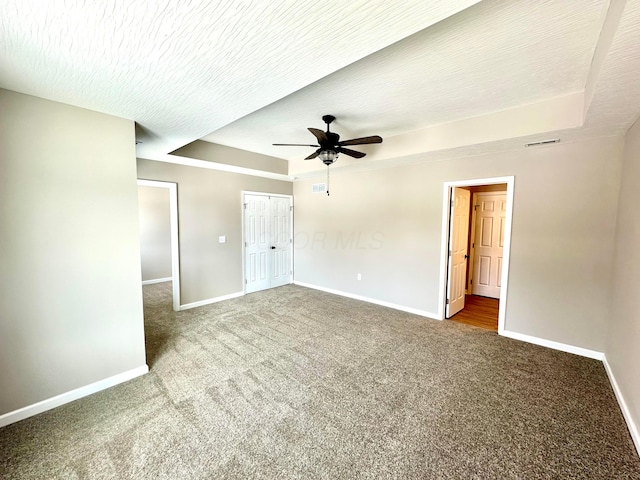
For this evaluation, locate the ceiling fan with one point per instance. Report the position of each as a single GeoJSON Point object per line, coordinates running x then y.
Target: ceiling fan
{"type": "Point", "coordinates": [329, 145]}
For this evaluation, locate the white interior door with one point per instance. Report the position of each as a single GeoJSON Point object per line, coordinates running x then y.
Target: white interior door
{"type": "Point", "coordinates": [489, 243]}
{"type": "Point", "coordinates": [256, 240]}
{"type": "Point", "coordinates": [458, 243]}
{"type": "Point", "coordinates": [268, 241]}
{"type": "Point", "coordinates": [280, 241]}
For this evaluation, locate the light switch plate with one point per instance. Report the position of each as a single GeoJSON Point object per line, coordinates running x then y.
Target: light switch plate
{"type": "Point", "coordinates": [222, 239]}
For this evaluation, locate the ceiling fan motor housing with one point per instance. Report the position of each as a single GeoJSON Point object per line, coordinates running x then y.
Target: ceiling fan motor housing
{"type": "Point", "coordinates": [332, 140]}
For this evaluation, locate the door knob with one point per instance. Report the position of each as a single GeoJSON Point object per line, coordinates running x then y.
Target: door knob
{"type": "Point", "coordinates": [466, 256]}
{"type": "Point", "coordinates": [273, 248]}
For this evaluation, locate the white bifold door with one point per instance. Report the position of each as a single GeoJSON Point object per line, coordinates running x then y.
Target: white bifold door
{"type": "Point", "coordinates": [268, 241]}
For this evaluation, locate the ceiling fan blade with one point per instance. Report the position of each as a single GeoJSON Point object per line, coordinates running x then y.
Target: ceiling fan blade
{"type": "Point", "coordinates": [320, 135]}
{"type": "Point", "coordinates": [293, 145]}
{"type": "Point", "coordinates": [351, 153]}
{"type": "Point", "coordinates": [361, 141]}
{"type": "Point", "coordinates": [313, 155]}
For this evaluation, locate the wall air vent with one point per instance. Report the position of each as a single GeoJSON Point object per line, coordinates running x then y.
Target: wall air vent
{"type": "Point", "coordinates": [542, 142]}
{"type": "Point", "coordinates": [319, 188]}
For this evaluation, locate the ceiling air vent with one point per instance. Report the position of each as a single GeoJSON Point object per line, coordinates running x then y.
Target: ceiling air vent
{"type": "Point", "coordinates": [319, 188]}
{"type": "Point", "coordinates": [542, 142]}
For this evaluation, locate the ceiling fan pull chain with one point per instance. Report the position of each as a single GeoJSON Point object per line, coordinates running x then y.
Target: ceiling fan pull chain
{"type": "Point", "coordinates": [327, 180]}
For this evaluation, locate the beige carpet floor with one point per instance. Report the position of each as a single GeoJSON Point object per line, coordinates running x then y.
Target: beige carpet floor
{"type": "Point", "coordinates": [296, 383]}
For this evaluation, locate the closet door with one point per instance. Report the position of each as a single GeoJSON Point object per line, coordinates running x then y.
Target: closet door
{"type": "Point", "coordinates": [268, 241]}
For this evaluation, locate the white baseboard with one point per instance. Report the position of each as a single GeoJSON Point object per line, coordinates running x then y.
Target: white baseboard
{"type": "Point", "coordinates": [563, 347]}
{"type": "Point", "coordinates": [157, 280]}
{"type": "Point", "coordinates": [48, 404]}
{"type": "Point", "coordinates": [416, 311]}
{"type": "Point", "coordinates": [626, 413]}
{"type": "Point", "coordinates": [211, 300]}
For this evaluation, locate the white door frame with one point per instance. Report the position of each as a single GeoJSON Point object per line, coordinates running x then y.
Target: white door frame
{"type": "Point", "coordinates": [444, 255]}
{"type": "Point", "coordinates": [173, 221]}
{"type": "Point", "coordinates": [243, 193]}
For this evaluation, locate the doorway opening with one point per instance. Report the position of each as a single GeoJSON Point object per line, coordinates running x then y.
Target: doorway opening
{"type": "Point", "coordinates": [476, 241]}
{"type": "Point", "coordinates": [154, 217]}
{"type": "Point", "coordinates": [268, 240]}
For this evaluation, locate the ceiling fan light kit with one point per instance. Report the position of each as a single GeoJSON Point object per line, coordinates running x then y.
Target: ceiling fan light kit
{"type": "Point", "coordinates": [329, 145]}
{"type": "Point", "coordinates": [328, 157]}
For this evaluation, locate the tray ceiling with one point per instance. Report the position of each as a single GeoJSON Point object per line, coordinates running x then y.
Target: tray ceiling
{"type": "Point", "coordinates": [248, 74]}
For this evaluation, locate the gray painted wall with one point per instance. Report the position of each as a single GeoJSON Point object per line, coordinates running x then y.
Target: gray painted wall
{"type": "Point", "coordinates": [623, 345]}
{"type": "Point", "coordinates": [387, 224]}
{"type": "Point", "coordinates": [209, 205]}
{"type": "Point", "coordinates": [155, 232]}
{"type": "Point", "coordinates": [70, 293]}
{"type": "Point", "coordinates": [70, 296]}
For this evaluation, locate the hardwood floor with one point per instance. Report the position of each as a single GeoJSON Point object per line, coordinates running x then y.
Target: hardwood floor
{"type": "Point", "coordinates": [480, 312]}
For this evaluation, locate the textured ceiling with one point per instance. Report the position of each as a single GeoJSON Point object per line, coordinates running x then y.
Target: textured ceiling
{"type": "Point", "coordinates": [182, 69]}
{"type": "Point", "coordinates": [616, 101]}
{"type": "Point", "coordinates": [249, 73]}
{"type": "Point", "coordinates": [493, 56]}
